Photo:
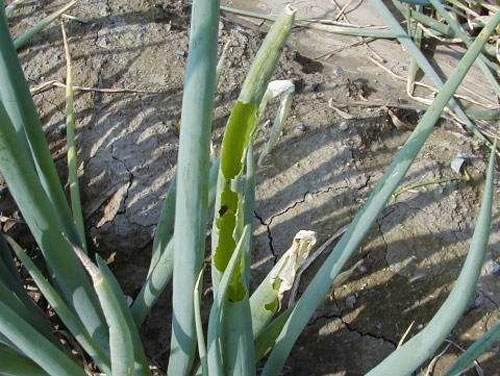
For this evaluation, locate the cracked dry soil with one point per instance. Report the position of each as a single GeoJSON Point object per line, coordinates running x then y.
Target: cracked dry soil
{"type": "Point", "coordinates": [316, 178]}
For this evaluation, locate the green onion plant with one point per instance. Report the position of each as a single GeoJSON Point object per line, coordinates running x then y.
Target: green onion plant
{"type": "Point", "coordinates": [244, 327]}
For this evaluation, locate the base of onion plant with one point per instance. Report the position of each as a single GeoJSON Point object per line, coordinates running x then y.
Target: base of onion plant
{"type": "Point", "coordinates": [244, 326]}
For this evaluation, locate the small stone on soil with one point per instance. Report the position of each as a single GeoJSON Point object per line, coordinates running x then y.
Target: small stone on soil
{"type": "Point", "coordinates": [458, 162]}
{"type": "Point", "coordinates": [350, 301]}
{"type": "Point", "coordinates": [491, 267]}
{"type": "Point", "coordinates": [338, 71]}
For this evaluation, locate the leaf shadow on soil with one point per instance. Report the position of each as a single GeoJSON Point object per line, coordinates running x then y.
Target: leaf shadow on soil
{"type": "Point", "coordinates": [314, 179]}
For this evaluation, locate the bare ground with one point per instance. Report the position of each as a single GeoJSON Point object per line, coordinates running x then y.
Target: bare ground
{"type": "Point", "coordinates": [316, 178]}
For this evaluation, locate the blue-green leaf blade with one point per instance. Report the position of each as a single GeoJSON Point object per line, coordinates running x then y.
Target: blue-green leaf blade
{"type": "Point", "coordinates": [69, 319]}
{"type": "Point", "coordinates": [419, 348]}
{"type": "Point", "coordinates": [34, 345]}
{"type": "Point", "coordinates": [424, 64]}
{"type": "Point", "coordinates": [31, 314]}
{"type": "Point", "coordinates": [13, 363]}
{"type": "Point", "coordinates": [37, 190]}
{"type": "Point", "coordinates": [239, 356]}
{"type": "Point", "coordinates": [475, 350]}
{"type": "Point", "coordinates": [25, 37]}
{"type": "Point", "coordinates": [10, 272]}
{"type": "Point", "coordinates": [141, 365]}
{"type": "Point", "coordinates": [202, 347]}
{"type": "Point", "coordinates": [216, 319]}
{"type": "Point", "coordinates": [192, 180]}
{"type": "Point", "coordinates": [364, 219]}
{"type": "Point", "coordinates": [162, 261]}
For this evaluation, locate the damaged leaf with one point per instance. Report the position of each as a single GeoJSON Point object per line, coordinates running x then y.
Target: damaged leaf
{"type": "Point", "coordinates": [285, 89]}
{"type": "Point", "coordinates": [240, 126]}
{"type": "Point", "coordinates": [229, 218]}
{"type": "Point", "coordinates": [267, 299]}
{"type": "Point", "coordinates": [283, 274]}
{"type": "Point", "coordinates": [237, 137]}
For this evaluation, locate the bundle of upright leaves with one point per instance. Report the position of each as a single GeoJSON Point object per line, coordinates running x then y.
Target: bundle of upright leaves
{"type": "Point", "coordinates": [243, 326]}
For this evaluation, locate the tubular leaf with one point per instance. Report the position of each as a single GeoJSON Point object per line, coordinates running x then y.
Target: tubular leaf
{"type": "Point", "coordinates": [74, 187]}
{"type": "Point", "coordinates": [418, 349]}
{"type": "Point", "coordinates": [162, 262]}
{"type": "Point", "coordinates": [216, 319]}
{"type": "Point", "coordinates": [238, 344]}
{"type": "Point", "coordinates": [238, 341]}
{"type": "Point", "coordinates": [43, 352]}
{"type": "Point", "coordinates": [192, 180]}
{"type": "Point", "coordinates": [424, 19]}
{"type": "Point", "coordinates": [424, 64]}
{"type": "Point", "coordinates": [121, 335]}
{"type": "Point", "coordinates": [240, 127]}
{"type": "Point", "coordinates": [229, 207]}
{"type": "Point", "coordinates": [417, 34]}
{"type": "Point", "coordinates": [202, 348]}
{"type": "Point", "coordinates": [10, 272]}
{"type": "Point", "coordinates": [45, 225]}
{"type": "Point", "coordinates": [14, 364]}
{"type": "Point", "coordinates": [120, 338]}
{"type": "Point", "coordinates": [30, 314]}
{"type": "Point", "coordinates": [364, 219]}
{"type": "Point", "coordinates": [11, 278]}
{"type": "Point", "coordinates": [475, 350]}
{"type": "Point", "coordinates": [266, 339]}
{"type": "Point", "coordinates": [165, 228]}
{"type": "Point", "coordinates": [27, 35]}
{"type": "Point", "coordinates": [122, 311]}
{"type": "Point", "coordinates": [249, 207]}
{"type": "Point", "coordinates": [457, 28]}
{"type": "Point", "coordinates": [74, 325]}
{"type": "Point", "coordinates": [19, 106]}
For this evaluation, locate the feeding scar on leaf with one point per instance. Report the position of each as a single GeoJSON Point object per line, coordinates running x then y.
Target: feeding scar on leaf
{"type": "Point", "coordinates": [267, 298]}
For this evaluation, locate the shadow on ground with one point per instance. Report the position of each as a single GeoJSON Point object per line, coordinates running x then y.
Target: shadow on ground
{"type": "Point", "coordinates": [316, 178]}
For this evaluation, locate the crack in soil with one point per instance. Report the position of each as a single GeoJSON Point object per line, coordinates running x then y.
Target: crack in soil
{"type": "Point", "coordinates": [267, 225]}
{"type": "Point", "coordinates": [130, 181]}
{"type": "Point", "coordinates": [381, 234]}
{"type": "Point", "coordinates": [123, 210]}
{"type": "Point", "coordinates": [56, 105]}
{"type": "Point", "coordinates": [350, 328]}
{"type": "Point", "coordinates": [269, 236]}
{"type": "Point", "coordinates": [366, 183]}
{"type": "Point", "coordinates": [366, 334]}
{"type": "Point", "coordinates": [303, 199]}
{"type": "Point", "coordinates": [360, 332]}
{"type": "Point", "coordinates": [488, 298]}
